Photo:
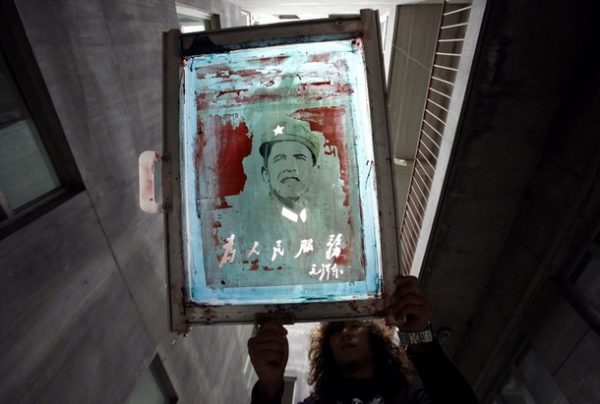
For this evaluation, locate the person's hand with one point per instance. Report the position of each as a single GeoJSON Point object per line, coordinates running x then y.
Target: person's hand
{"type": "Point", "coordinates": [408, 307]}
{"type": "Point", "coordinates": [268, 351]}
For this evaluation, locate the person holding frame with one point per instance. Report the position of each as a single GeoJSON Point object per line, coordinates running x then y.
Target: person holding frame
{"type": "Point", "coordinates": [357, 362]}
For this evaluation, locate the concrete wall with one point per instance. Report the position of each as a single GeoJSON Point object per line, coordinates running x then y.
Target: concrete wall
{"type": "Point", "coordinates": [521, 201]}
{"type": "Point", "coordinates": [84, 305]}
{"type": "Point", "coordinates": [529, 297]}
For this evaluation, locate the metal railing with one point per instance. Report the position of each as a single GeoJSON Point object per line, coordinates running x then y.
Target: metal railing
{"type": "Point", "coordinates": [448, 51]}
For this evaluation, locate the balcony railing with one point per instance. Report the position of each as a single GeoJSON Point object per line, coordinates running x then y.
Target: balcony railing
{"type": "Point", "coordinates": [457, 35]}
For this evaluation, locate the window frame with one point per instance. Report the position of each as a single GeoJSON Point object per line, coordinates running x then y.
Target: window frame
{"type": "Point", "coordinates": [27, 78]}
{"type": "Point", "coordinates": [214, 20]}
{"type": "Point", "coordinates": [160, 375]}
{"type": "Point", "coordinates": [567, 283]}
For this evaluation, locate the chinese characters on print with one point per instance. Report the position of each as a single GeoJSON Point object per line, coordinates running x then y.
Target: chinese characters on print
{"type": "Point", "coordinates": [322, 271]}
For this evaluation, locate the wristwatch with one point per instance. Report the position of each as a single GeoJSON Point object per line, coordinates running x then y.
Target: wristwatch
{"type": "Point", "coordinates": [416, 337]}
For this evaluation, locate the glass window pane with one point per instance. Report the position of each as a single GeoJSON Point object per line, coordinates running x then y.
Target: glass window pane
{"type": "Point", "coordinates": [26, 172]}
{"type": "Point", "coordinates": [587, 281]}
{"type": "Point", "coordinates": [539, 381]}
{"type": "Point", "coordinates": [148, 390]}
{"type": "Point", "coordinates": [514, 392]}
{"type": "Point", "coordinates": [25, 169]}
{"type": "Point", "coordinates": [197, 26]}
{"type": "Point", "coordinates": [192, 19]}
{"type": "Point", "coordinates": [289, 384]}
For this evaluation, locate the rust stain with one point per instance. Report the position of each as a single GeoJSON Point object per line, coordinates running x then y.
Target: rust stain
{"type": "Point", "coordinates": [323, 89]}
{"type": "Point", "coordinates": [201, 101]}
{"type": "Point", "coordinates": [271, 60]}
{"type": "Point", "coordinates": [357, 42]}
{"type": "Point", "coordinates": [226, 92]}
{"type": "Point", "coordinates": [221, 71]}
{"type": "Point", "coordinates": [342, 259]}
{"type": "Point", "coordinates": [330, 122]}
{"type": "Point", "coordinates": [318, 58]}
{"type": "Point", "coordinates": [249, 74]}
{"type": "Point", "coordinates": [234, 145]}
{"type": "Point", "coordinates": [222, 154]}
{"type": "Point", "coordinates": [149, 182]}
{"type": "Point", "coordinates": [200, 143]}
{"type": "Point", "coordinates": [216, 240]}
{"type": "Point", "coordinates": [226, 100]}
{"type": "Point", "coordinates": [208, 313]}
{"type": "Point", "coordinates": [222, 204]}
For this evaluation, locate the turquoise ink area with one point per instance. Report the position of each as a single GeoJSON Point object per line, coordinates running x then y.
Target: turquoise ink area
{"type": "Point", "coordinates": [304, 63]}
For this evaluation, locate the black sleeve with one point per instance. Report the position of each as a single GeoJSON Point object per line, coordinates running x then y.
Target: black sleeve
{"type": "Point", "coordinates": [256, 399]}
{"type": "Point", "coordinates": [277, 400]}
{"type": "Point", "coordinates": [441, 380]}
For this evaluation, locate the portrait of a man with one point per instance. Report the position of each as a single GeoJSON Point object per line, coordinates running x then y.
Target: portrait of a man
{"type": "Point", "coordinates": [290, 151]}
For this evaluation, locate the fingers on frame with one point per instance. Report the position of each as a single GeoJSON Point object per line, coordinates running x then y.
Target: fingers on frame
{"type": "Point", "coordinates": [403, 288]}
{"type": "Point", "coordinates": [272, 325]}
{"type": "Point", "coordinates": [411, 309]}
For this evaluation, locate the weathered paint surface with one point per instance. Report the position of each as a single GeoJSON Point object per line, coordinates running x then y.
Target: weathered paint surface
{"type": "Point", "coordinates": [241, 245]}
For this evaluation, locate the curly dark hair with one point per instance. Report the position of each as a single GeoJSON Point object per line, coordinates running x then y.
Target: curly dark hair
{"type": "Point", "coordinates": [391, 363]}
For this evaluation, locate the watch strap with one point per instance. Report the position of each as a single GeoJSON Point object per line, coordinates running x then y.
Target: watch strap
{"type": "Point", "coordinates": [416, 337]}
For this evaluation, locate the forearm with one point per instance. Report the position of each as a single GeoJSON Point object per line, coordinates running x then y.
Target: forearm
{"type": "Point", "coordinates": [266, 395]}
{"type": "Point", "coordinates": [441, 380]}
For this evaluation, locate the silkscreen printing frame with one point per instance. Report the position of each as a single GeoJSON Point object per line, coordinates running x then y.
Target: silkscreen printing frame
{"type": "Point", "coordinates": [177, 46]}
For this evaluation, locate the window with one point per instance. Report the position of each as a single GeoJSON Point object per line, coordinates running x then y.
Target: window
{"type": "Point", "coordinates": [153, 386]}
{"type": "Point", "coordinates": [586, 281]}
{"type": "Point", "coordinates": [530, 383]}
{"type": "Point", "coordinates": [383, 20]}
{"type": "Point", "coordinates": [582, 283]}
{"type": "Point", "coordinates": [289, 384]}
{"type": "Point", "coordinates": [538, 379]}
{"type": "Point", "coordinates": [514, 391]}
{"type": "Point", "coordinates": [247, 17]}
{"type": "Point", "coordinates": [26, 172]}
{"type": "Point", "coordinates": [194, 20]}
{"type": "Point", "coordinates": [37, 169]}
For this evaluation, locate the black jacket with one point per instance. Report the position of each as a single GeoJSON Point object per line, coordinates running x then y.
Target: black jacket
{"type": "Point", "coordinates": [442, 383]}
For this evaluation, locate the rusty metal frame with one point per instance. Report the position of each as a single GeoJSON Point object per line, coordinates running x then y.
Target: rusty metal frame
{"type": "Point", "coordinates": [171, 185]}
{"type": "Point", "coordinates": [176, 46]}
